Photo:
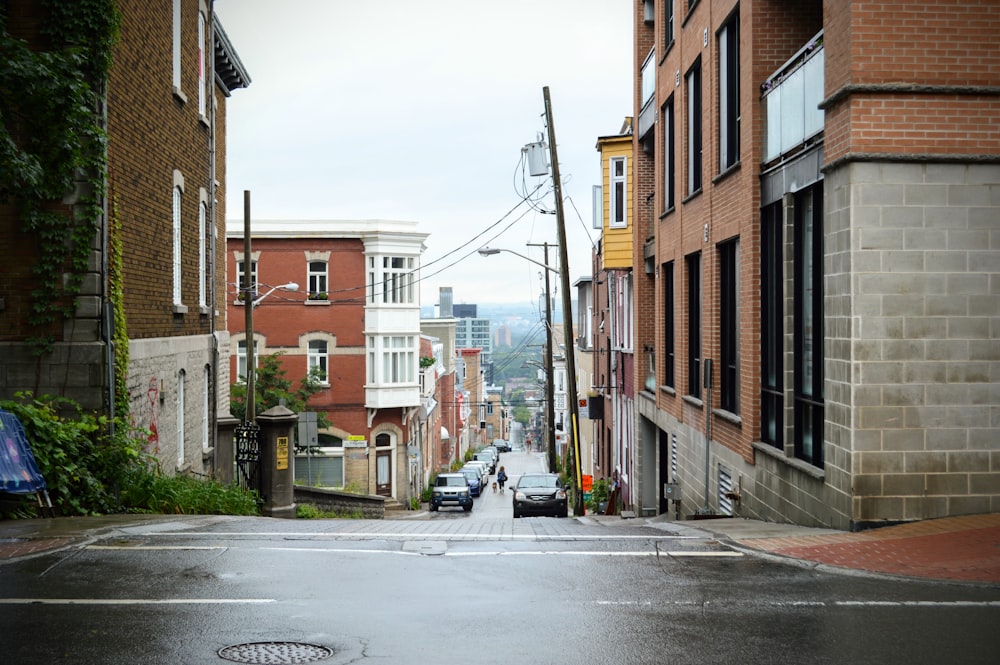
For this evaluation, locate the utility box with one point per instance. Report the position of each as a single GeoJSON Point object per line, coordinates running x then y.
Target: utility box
{"type": "Point", "coordinates": [277, 463]}
{"type": "Point", "coordinates": [538, 163]}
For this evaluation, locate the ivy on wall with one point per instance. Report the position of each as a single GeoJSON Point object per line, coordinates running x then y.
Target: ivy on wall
{"type": "Point", "coordinates": [52, 143]}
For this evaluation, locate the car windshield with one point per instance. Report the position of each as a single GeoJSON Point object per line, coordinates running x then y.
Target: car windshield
{"type": "Point", "coordinates": [538, 481]}
{"type": "Point", "coordinates": [471, 474]}
{"type": "Point", "coordinates": [452, 481]}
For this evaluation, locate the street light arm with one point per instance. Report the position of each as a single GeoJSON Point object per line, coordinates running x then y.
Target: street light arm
{"type": "Point", "coordinates": [490, 251]}
{"type": "Point", "coordinates": [291, 286]}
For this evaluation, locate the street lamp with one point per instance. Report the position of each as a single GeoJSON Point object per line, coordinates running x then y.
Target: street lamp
{"type": "Point", "coordinates": [550, 410]}
{"type": "Point", "coordinates": [251, 355]}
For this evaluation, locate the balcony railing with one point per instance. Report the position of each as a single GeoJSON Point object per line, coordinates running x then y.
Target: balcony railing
{"type": "Point", "coordinates": [793, 95]}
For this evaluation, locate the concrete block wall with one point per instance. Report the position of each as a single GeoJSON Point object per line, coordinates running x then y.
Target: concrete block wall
{"type": "Point", "coordinates": [913, 348]}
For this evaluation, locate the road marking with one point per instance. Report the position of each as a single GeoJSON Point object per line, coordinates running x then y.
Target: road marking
{"type": "Point", "coordinates": [156, 547]}
{"type": "Point", "coordinates": [697, 553]}
{"type": "Point", "coordinates": [136, 601]}
{"type": "Point", "coordinates": [413, 536]}
{"type": "Point", "coordinates": [809, 603]}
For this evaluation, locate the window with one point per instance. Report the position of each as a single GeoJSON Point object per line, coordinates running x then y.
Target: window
{"type": "Point", "coordinates": [317, 358]}
{"type": "Point", "coordinates": [177, 47]}
{"type": "Point", "coordinates": [669, 169]}
{"type": "Point", "coordinates": [317, 278]}
{"type": "Point", "coordinates": [202, 251]}
{"type": "Point", "coordinates": [392, 358]}
{"type": "Point", "coordinates": [729, 328]}
{"type": "Point", "coordinates": [694, 323]}
{"type": "Point", "coordinates": [242, 283]}
{"type": "Point", "coordinates": [693, 80]}
{"type": "Point", "coordinates": [668, 324]}
{"type": "Point", "coordinates": [241, 359]}
{"type": "Point", "coordinates": [647, 79]}
{"type": "Point", "coordinates": [201, 66]}
{"type": "Point", "coordinates": [729, 92]}
{"type": "Point", "coordinates": [668, 31]}
{"type": "Point", "coordinates": [206, 407]}
{"type": "Point", "coordinates": [808, 332]}
{"type": "Point", "coordinates": [178, 190]}
{"type": "Point", "coordinates": [180, 418]}
{"type": "Point", "coordinates": [619, 193]}
{"type": "Point", "coordinates": [489, 408]}
{"type": "Point", "coordinates": [391, 280]}
{"type": "Point", "coordinates": [772, 402]}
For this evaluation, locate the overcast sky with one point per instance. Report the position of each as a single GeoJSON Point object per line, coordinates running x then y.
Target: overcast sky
{"type": "Point", "coordinates": [418, 110]}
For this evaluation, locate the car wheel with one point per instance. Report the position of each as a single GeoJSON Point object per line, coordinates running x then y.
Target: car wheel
{"type": "Point", "coordinates": [467, 508]}
{"type": "Point", "coordinates": [563, 513]}
{"type": "Point", "coordinates": [433, 508]}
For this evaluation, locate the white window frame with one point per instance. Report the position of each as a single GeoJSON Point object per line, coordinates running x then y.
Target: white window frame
{"type": "Point", "coordinates": [240, 269]}
{"type": "Point", "coordinates": [202, 250]}
{"type": "Point", "coordinates": [206, 408]}
{"type": "Point", "coordinates": [178, 245]}
{"type": "Point", "coordinates": [318, 355]}
{"type": "Point", "coordinates": [392, 360]}
{"type": "Point", "coordinates": [317, 280]}
{"type": "Point", "coordinates": [202, 97]}
{"type": "Point", "coordinates": [619, 193]}
{"type": "Point", "coordinates": [177, 48]}
{"type": "Point", "coordinates": [180, 418]}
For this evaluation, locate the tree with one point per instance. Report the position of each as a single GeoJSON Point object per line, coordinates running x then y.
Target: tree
{"type": "Point", "coordinates": [271, 387]}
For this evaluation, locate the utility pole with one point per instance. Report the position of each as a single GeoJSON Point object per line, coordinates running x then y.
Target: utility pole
{"type": "Point", "coordinates": [248, 298]}
{"type": "Point", "coordinates": [550, 400]}
{"type": "Point", "coordinates": [574, 408]}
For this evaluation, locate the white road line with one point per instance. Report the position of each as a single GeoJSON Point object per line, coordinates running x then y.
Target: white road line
{"type": "Point", "coordinates": [409, 536]}
{"type": "Point", "coordinates": [156, 547]}
{"type": "Point", "coordinates": [136, 601]}
{"type": "Point", "coordinates": [930, 604]}
{"type": "Point", "coordinates": [696, 553]}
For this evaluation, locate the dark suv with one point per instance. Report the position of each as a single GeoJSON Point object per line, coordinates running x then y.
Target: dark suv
{"type": "Point", "coordinates": [540, 494]}
{"type": "Point", "coordinates": [451, 489]}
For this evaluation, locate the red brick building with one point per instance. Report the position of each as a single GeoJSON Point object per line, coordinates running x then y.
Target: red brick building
{"type": "Point", "coordinates": [159, 206]}
{"type": "Point", "coordinates": [816, 258]}
{"type": "Point", "coordinates": [356, 317]}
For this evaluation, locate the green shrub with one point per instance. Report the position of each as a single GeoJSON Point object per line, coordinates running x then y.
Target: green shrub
{"type": "Point", "coordinates": [90, 469]}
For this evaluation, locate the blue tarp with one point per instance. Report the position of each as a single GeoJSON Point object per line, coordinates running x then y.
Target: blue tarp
{"type": "Point", "coordinates": [19, 473]}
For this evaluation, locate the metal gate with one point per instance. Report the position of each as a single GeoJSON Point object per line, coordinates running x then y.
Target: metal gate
{"type": "Point", "coordinates": [246, 437]}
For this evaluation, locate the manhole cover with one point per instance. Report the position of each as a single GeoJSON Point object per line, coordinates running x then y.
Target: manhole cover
{"type": "Point", "coordinates": [275, 653]}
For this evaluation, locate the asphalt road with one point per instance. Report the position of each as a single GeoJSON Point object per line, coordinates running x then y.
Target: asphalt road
{"type": "Point", "coordinates": [478, 587]}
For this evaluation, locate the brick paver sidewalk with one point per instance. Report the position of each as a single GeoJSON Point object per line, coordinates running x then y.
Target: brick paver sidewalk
{"type": "Point", "coordinates": [958, 548]}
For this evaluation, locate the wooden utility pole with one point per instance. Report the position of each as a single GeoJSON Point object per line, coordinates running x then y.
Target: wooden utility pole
{"type": "Point", "coordinates": [579, 508]}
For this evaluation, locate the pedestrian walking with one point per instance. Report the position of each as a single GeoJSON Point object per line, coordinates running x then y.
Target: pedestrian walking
{"type": "Point", "coordinates": [501, 478]}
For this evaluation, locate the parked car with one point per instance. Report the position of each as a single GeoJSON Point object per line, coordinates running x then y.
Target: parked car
{"type": "Point", "coordinates": [451, 489]}
{"type": "Point", "coordinates": [479, 462]}
{"type": "Point", "coordinates": [484, 456]}
{"type": "Point", "coordinates": [540, 494]}
{"type": "Point", "coordinates": [480, 467]}
{"type": "Point", "coordinates": [501, 445]}
{"type": "Point", "coordinates": [475, 480]}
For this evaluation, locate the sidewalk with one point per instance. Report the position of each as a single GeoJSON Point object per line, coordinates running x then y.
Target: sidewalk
{"type": "Point", "coordinates": [965, 549]}
{"type": "Point", "coordinates": [961, 549]}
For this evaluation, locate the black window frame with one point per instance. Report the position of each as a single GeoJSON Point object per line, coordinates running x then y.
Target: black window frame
{"type": "Point", "coordinates": [808, 325]}
{"type": "Point", "coordinates": [728, 41]}
{"type": "Point", "coordinates": [669, 160]}
{"type": "Point", "coordinates": [772, 335]}
{"type": "Point", "coordinates": [695, 139]}
{"type": "Point", "coordinates": [693, 263]}
{"type": "Point", "coordinates": [729, 325]}
{"type": "Point", "coordinates": [669, 22]}
{"type": "Point", "coordinates": [669, 321]}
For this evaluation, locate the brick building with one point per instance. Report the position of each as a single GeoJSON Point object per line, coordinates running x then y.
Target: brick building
{"type": "Point", "coordinates": [164, 111]}
{"type": "Point", "coordinates": [816, 220]}
{"type": "Point", "coordinates": [355, 317]}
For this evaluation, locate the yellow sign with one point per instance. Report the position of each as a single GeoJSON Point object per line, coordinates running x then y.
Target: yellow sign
{"type": "Point", "coordinates": [357, 437]}
{"type": "Point", "coordinates": [282, 453]}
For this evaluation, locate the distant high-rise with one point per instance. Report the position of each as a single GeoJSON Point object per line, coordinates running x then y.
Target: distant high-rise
{"type": "Point", "coordinates": [464, 311]}
{"type": "Point", "coordinates": [445, 300]}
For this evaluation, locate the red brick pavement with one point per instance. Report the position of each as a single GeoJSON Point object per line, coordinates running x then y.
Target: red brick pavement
{"type": "Point", "coordinates": [958, 548]}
